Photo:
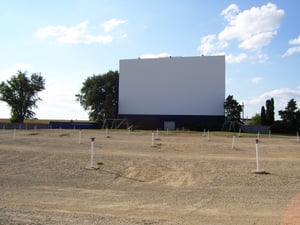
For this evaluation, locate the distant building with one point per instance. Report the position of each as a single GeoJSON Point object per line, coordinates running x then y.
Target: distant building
{"type": "Point", "coordinates": [173, 92]}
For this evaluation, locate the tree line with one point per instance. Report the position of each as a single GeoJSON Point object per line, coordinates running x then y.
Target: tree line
{"type": "Point", "coordinates": [290, 117]}
{"type": "Point", "coordinates": [99, 97]}
{"type": "Point", "coordinates": [289, 123]}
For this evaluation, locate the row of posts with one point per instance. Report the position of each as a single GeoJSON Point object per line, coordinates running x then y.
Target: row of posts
{"type": "Point", "coordinates": [205, 133]}
{"type": "Point", "coordinates": [153, 138]}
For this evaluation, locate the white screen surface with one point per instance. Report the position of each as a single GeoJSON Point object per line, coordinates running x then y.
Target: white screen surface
{"type": "Point", "coordinates": [172, 86]}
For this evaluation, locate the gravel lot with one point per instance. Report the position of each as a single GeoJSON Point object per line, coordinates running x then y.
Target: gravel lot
{"type": "Point", "coordinates": [183, 178]}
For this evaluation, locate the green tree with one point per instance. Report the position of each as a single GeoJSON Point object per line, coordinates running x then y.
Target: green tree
{"type": "Point", "coordinates": [263, 119]}
{"type": "Point", "coordinates": [21, 94]}
{"type": "Point", "coordinates": [255, 120]}
{"type": "Point", "coordinates": [232, 114]}
{"type": "Point", "coordinates": [270, 118]}
{"type": "Point", "coordinates": [289, 114]}
{"type": "Point", "coordinates": [110, 109]}
{"type": "Point", "coordinates": [99, 96]}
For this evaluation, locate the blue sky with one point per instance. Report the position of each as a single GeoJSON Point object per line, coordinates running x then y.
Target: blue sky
{"type": "Point", "coordinates": [70, 40]}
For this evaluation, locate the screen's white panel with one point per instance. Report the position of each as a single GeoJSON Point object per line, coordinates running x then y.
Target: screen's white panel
{"type": "Point", "coordinates": [172, 86]}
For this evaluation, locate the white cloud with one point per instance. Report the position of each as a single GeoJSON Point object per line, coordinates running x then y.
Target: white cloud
{"type": "Point", "coordinates": [159, 55]}
{"type": "Point", "coordinates": [256, 41]}
{"type": "Point", "coordinates": [4, 112]}
{"type": "Point", "coordinates": [112, 24]}
{"type": "Point", "coordinates": [50, 107]}
{"type": "Point", "coordinates": [230, 12]}
{"type": "Point", "coordinates": [262, 58]}
{"type": "Point", "coordinates": [295, 49]}
{"type": "Point", "coordinates": [281, 97]}
{"type": "Point", "coordinates": [292, 51]}
{"type": "Point", "coordinates": [7, 73]}
{"type": "Point", "coordinates": [253, 28]}
{"type": "Point", "coordinates": [51, 31]}
{"type": "Point", "coordinates": [211, 45]}
{"type": "Point", "coordinates": [124, 36]}
{"type": "Point", "coordinates": [256, 80]}
{"type": "Point", "coordinates": [65, 108]}
{"type": "Point", "coordinates": [236, 58]}
{"type": "Point", "coordinates": [77, 34]}
{"type": "Point", "coordinates": [295, 41]}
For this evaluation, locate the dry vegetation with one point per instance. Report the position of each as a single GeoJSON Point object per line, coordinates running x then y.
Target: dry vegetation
{"type": "Point", "coordinates": [185, 178]}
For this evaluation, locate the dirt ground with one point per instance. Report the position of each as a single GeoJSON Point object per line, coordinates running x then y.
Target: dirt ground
{"type": "Point", "coordinates": [181, 178]}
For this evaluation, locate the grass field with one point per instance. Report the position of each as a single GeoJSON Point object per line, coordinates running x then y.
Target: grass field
{"type": "Point", "coordinates": [181, 178]}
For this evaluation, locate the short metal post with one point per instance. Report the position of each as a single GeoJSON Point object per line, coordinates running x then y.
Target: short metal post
{"type": "Point", "coordinates": [92, 152]}
{"type": "Point", "coordinates": [152, 142]}
{"type": "Point", "coordinates": [233, 140]}
{"type": "Point", "coordinates": [257, 157]}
